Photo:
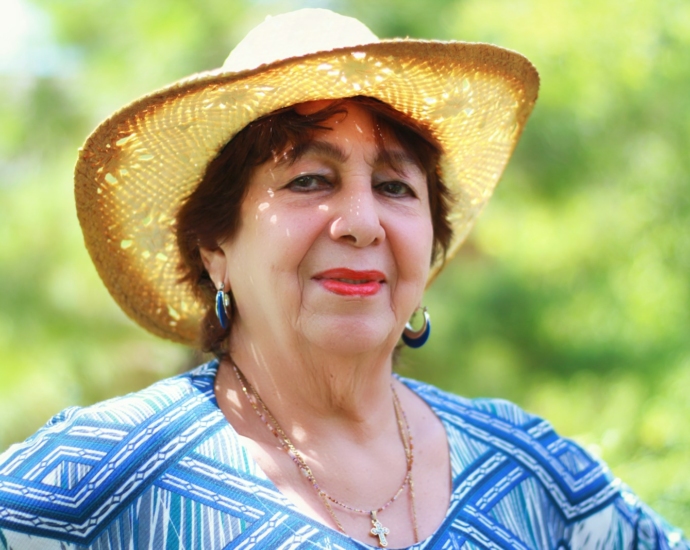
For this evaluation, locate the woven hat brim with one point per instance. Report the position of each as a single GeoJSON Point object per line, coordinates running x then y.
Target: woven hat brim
{"type": "Point", "coordinates": [138, 165]}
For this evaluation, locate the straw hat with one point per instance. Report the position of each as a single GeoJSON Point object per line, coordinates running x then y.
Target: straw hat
{"type": "Point", "coordinates": [138, 165]}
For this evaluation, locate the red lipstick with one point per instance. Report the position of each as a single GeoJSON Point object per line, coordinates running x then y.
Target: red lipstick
{"type": "Point", "coordinates": [348, 282]}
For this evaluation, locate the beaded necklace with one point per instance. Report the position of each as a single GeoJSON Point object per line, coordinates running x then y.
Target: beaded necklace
{"type": "Point", "coordinates": [377, 529]}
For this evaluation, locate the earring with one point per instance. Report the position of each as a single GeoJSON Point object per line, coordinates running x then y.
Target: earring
{"type": "Point", "coordinates": [417, 338]}
{"type": "Point", "coordinates": [222, 303]}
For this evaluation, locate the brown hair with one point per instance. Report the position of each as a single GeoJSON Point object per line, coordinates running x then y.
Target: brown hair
{"type": "Point", "coordinates": [211, 213]}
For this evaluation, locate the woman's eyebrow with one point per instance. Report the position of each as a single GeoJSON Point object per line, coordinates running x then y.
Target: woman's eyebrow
{"type": "Point", "coordinates": [395, 157]}
{"type": "Point", "coordinates": [398, 160]}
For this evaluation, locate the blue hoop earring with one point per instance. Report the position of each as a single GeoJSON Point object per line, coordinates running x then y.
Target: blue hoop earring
{"type": "Point", "coordinates": [417, 338]}
{"type": "Point", "coordinates": [222, 303]}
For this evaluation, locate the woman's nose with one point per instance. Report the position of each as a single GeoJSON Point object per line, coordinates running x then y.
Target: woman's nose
{"type": "Point", "coordinates": [356, 217]}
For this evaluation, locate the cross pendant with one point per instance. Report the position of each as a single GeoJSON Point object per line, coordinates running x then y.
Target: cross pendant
{"type": "Point", "coordinates": [379, 530]}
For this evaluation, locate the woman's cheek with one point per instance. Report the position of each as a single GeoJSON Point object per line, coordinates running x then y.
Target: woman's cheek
{"type": "Point", "coordinates": [416, 245]}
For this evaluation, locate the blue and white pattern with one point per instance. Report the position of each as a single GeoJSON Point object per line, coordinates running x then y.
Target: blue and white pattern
{"type": "Point", "coordinates": [162, 468]}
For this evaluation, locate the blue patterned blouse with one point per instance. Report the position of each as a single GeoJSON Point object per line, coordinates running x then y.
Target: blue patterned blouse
{"type": "Point", "coordinates": [162, 468]}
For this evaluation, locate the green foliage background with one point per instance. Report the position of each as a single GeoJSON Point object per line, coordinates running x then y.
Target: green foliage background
{"type": "Point", "coordinates": [571, 297]}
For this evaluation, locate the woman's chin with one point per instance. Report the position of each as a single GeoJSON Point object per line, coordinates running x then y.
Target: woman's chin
{"type": "Point", "coordinates": [349, 336]}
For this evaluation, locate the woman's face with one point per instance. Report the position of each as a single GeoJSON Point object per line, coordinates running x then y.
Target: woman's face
{"type": "Point", "coordinates": [334, 246]}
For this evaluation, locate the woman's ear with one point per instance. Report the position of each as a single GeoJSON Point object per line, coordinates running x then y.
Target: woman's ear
{"type": "Point", "coordinates": [215, 263]}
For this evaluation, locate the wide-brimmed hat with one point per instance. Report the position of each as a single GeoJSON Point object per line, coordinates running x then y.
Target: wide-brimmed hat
{"type": "Point", "coordinates": [138, 165]}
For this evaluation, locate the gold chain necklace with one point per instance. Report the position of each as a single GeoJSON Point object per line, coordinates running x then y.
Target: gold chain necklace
{"type": "Point", "coordinates": [377, 529]}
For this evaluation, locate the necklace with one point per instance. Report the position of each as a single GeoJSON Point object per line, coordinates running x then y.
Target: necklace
{"type": "Point", "coordinates": [377, 529]}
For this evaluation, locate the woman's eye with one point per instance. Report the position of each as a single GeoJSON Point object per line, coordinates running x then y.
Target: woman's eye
{"type": "Point", "coordinates": [396, 189]}
{"type": "Point", "coordinates": [308, 182]}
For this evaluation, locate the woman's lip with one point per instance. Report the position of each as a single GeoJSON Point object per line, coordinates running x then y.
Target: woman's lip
{"type": "Point", "coordinates": [349, 282]}
{"type": "Point", "coordinates": [341, 273]}
{"type": "Point", "coordinates": [338, 286]}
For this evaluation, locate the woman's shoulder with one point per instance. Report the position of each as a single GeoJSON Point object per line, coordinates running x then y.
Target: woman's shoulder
{"type": "Point", "coordinates": [78, 471]}
{"type": "Point", "coordinates": [487, 407]}
{"type": "Point", "coordinates": [481, 426]}
{"type": "Point", "coordinates": [113, 417]}
{"type": "Point", "coordinates": [502, 456]}
{"type": "Point", "coordinates": [162, 407]}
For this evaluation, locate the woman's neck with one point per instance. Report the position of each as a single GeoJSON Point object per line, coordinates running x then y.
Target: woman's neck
{"type": "Point", "coordinates": [310, 390]}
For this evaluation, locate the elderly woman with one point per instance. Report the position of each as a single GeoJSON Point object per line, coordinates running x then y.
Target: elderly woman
{"type": "Point", "coordinates": [286, 213]}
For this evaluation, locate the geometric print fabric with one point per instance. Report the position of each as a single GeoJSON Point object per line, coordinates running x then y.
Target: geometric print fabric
{"type": "Point", "coordinates": [162, 468]}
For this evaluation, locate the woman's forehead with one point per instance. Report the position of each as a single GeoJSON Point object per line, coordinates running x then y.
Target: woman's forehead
{"type": "Point", "coordinates": [368, 127]}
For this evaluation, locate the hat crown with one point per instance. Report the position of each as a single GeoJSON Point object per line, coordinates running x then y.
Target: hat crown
{"type": "Point", "coordinates": [296, 34]}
